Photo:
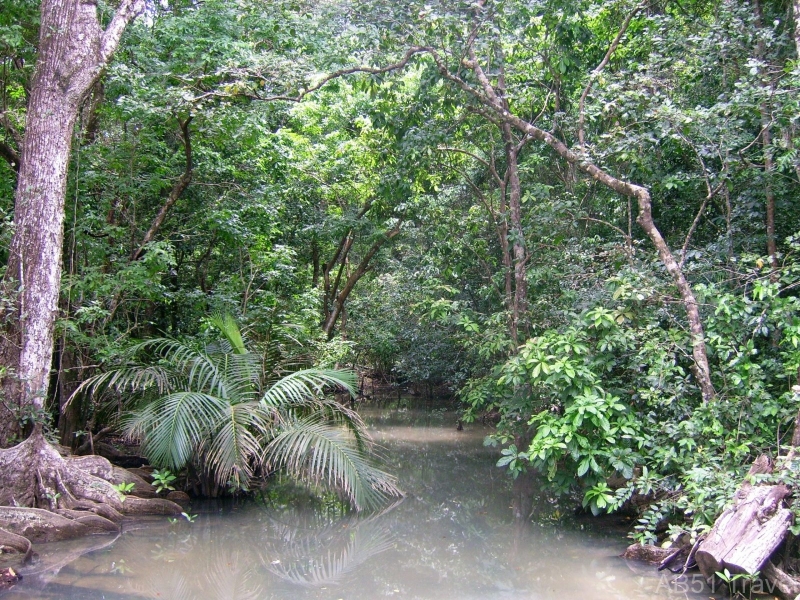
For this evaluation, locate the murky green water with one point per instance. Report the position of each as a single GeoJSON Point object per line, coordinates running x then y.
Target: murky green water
{"type": "Point", "coordinates": [451, 538]}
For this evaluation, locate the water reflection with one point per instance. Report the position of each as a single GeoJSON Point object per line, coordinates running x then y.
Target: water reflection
{"type": "Point", "coordinates": [452, 537]}
{"type": "Point", "coordinates": [314, 554]}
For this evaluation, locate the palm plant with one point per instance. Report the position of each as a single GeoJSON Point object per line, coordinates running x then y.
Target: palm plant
{"type": "Point", "coordinates": [222, 410]}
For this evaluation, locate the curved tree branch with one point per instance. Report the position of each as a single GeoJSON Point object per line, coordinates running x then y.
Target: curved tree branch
{"type": "Point", "coordinates": [10, 155]}
{"type": "Point", "coordinates": [492, 102]}
{"type": "Point", "coordinates": [177, 191]}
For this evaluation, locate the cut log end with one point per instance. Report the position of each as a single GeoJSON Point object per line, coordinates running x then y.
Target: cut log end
{"type": "Point", "coordinates": [746, 535]}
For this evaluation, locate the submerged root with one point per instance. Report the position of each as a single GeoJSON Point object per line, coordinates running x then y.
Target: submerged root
{"type": "Point", "coordinates": [47, 497]}
{"type": "Point", "coordinates": [11, 542]}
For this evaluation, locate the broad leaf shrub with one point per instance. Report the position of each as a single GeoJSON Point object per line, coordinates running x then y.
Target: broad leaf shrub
{"type": "Point", "coordinates": [611, 410]}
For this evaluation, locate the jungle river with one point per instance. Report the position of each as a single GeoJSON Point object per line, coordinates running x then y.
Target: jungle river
{"type": "Point", "coordinates": [451, 538]}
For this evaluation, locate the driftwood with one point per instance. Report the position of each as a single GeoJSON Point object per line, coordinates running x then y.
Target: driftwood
{"type": "Point", "coordinates": [746, 535]}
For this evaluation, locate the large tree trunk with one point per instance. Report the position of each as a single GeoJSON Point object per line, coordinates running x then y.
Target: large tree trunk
{"type": "Point", "coordinates": [796, 15]}
{"type": "Point", "coordinates": [73, 50]}
{"type": "Point", "coordinates": [513, 188]}
{"type": "Point", "coordinates": [34, 264]}
{"type": "Point", "coordinates": [520, 304]}
{"type": "Point", "coordinates": [43, 495]}
{"type": "Point", "coordinates": [766, 144]}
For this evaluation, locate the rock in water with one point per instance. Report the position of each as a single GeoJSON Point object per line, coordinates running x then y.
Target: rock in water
{"type": "Point", "coordinates": [8, 578]}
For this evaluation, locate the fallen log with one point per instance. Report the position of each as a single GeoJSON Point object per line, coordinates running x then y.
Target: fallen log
{"type": "Point", "coordinates": [746, 535]}
{"type": "Point", "coordinates": [787, 585]}
{"type": "Point", "coordinates": [747, 538]}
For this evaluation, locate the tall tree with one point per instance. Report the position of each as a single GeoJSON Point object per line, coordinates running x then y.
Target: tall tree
{"type": "Point", "coordinates": [474, 76]}
{"type": "Point", "coordinates": [74, 49]}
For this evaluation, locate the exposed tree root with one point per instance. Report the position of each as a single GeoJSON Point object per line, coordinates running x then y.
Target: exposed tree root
{"type": "Point", "coordinates": [15, 543]}
{"type": "Point", "coordinates": [47, 497]}
{"type": "Point", "coordinates": [50, 559]}
{"type": "Point", "coordinates": [151, 506]}
{"type": "Point", "coordinates": [100, 467]}
{"type": "Point", "coordinates": [40, 525]}
{"type": "Point", "coordinates": [787, 585]}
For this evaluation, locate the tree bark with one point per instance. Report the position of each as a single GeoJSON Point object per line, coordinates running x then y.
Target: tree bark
{"type": "Point", "coordinates": [769, 163]}
{"type": "Point", "coordinates": [796, 15]}
{"type": "Point", "coordinates": [73, 51]}
{"type": "Point", "coordinates": [514, 191]}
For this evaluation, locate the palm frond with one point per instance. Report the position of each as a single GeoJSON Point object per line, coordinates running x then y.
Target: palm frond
{"type": "Point", "coordinates": [313, 451]}
{"type": "Point", "coordinates": [171, 362]}
{"type": "Point", "coordinates": [241, 373]}
{"type": "Point", "coordinates": [223, 374]}
{"type": "Point", "coordinates": [228, 327]}
{"type": "Point", "coordinates": [175, 425]}
{"type": "Point", "coordinates": [214, 407]}
{"type": "Point", "coordinates": [334, 412]}
{"type": "Point", "coordinates": [236, 447]}
{"type": "Point", "coordinates": [305, 385]}
{"type": "Point", "coordinates": [131, 378]}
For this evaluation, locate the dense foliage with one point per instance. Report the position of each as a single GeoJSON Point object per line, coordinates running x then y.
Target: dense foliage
{"type": "Point", "coordinates": [392, 219]}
